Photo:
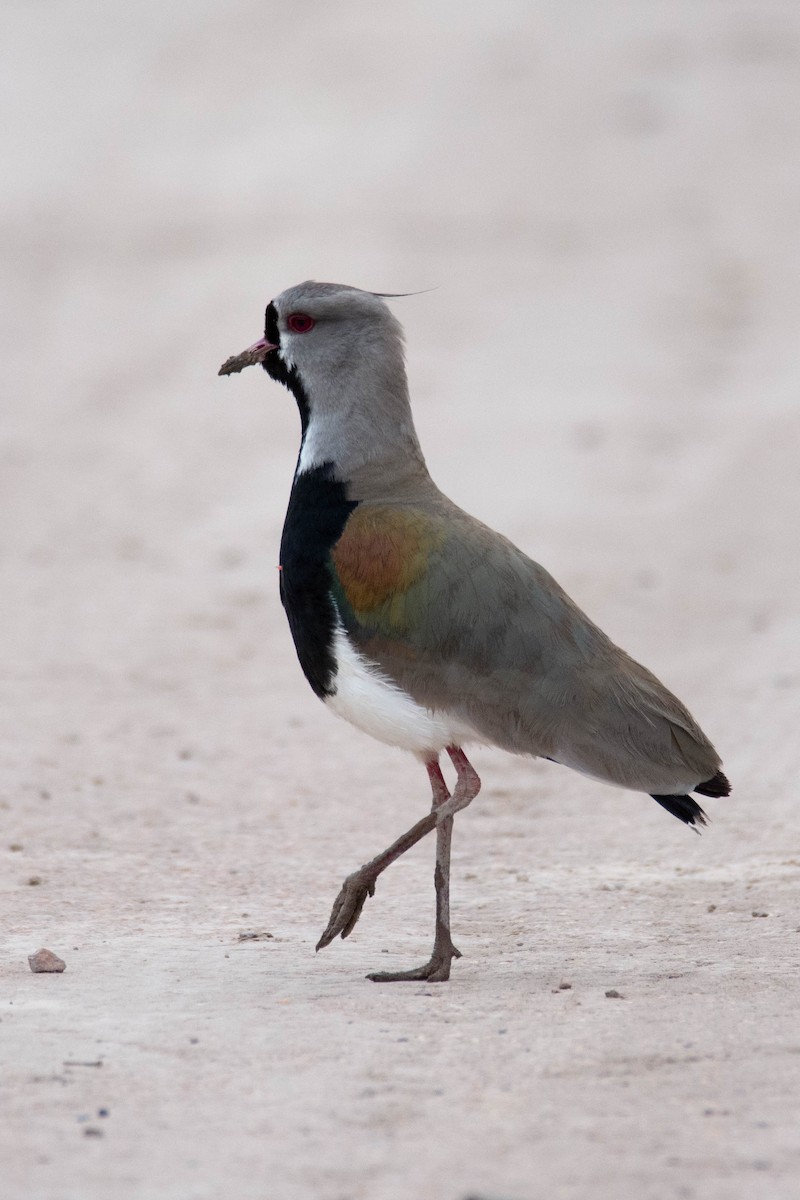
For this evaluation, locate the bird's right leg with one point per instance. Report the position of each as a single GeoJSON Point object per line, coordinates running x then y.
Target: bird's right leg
{"type": "Point", "coordinates": [357, 887]}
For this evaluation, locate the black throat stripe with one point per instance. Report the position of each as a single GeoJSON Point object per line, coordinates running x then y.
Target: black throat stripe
{"type": "Point", "coordinates": [317, 514]}
{"type": "Point", "coordinates": [276, 368]}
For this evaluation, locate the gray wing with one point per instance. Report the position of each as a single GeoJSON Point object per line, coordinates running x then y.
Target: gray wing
{"type": "Point", "coordinates": [486, 634]}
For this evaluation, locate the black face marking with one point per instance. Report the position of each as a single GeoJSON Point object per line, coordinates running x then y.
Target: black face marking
{"type": "Point", "coordinates": [271, 331]}
{"type": "Point", "coordinates": [276, 368]}
{"type": "Point", "coordinates": [317, 514]}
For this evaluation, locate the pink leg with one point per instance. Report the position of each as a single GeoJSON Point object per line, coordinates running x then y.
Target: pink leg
{"type": "Point", "coordinates": [350, 901]}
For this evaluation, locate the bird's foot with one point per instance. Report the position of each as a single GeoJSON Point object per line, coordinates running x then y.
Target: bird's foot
{"type": "Point", "coordinates": [348, 905]}
{"type": "Point", "coordinates": [436, 970]}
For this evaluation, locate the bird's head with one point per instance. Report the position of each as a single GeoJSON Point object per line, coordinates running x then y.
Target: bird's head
{"type": "Point", "coordinates": [339, 350]}
{"type": "Point", "coordinates": [320, 328]}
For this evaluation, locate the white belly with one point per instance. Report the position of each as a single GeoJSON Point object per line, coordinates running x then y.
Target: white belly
{"type": "Point", "coordinates": [371, 702]}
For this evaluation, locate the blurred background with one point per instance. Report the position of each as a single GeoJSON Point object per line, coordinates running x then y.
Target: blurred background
{"type": "Point", "coordinates": [605, 200]}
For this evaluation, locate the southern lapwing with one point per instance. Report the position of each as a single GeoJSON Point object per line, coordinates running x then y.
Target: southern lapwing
{"type": "Point", "coordinates": [425, 628]}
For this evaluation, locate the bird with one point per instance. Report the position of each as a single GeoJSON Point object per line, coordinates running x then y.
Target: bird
{"type": "Point", "coordinates": [428, 630]}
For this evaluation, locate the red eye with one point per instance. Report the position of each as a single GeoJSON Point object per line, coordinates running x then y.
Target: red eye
{"type": "Point", "coordinates": [300, 323]}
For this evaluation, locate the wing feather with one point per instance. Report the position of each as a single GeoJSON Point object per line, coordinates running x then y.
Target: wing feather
{"type": "Point", "coordinates": [463, 621]}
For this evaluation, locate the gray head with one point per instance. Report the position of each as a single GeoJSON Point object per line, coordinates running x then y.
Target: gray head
{"type": "Point", "coordinates": [339, 350]}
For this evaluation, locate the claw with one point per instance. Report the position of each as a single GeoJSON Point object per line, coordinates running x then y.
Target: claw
{"type": "Point", "coordinates": [347, 907]}
{"type": "Point", "coordinates": [436, 970]}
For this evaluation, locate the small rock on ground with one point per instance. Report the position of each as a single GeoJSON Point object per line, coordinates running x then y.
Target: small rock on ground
{"type": "Point", "coordinates": [45, 960]}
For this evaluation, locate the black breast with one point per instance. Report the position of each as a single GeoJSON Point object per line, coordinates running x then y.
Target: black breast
{"type": "Point", "coordinates": [317, 514]}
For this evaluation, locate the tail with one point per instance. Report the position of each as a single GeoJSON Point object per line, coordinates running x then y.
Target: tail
{"type": "Point", "coordinates": [718, 786]}
{"type": "Point", "coordinates": [688, 810]}
{"type": "Point", "coordinates": [684, 808]}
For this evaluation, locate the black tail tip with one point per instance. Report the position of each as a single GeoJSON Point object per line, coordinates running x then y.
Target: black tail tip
{"type": "Point", "coordinates": [715, 787]}
{"type": "Point", "coordinates": [684, 808]}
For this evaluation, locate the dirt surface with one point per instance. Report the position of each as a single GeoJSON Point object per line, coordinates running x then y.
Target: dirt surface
{"type": "Point", "coordinates": [607, 198]}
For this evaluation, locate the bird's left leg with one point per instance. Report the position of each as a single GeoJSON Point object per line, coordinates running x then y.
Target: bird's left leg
{"type": "Point", "coordinates": [437, 969]}
{"type": "Point", "coordinates": [361, 884]}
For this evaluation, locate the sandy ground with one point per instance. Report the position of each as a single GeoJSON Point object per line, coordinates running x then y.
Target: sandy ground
{"type": "Point", "coordinates": [607, 198]}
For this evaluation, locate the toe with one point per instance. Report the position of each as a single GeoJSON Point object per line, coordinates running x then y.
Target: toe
{"type": "Point", "coordinates": [347, 908]}
{"type": "Point", "coordinates": [435, 971]}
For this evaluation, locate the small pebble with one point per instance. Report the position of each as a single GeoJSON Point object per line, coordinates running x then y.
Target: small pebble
{"type": "Point", "coordinates": [613, 994]}
{"type": "Point", "coordinates": [92, 1131]}
{"type": "Point", "coordinates": [34, 880]}
{"type": "Point", "coordinates": [758, 913]}
{"type": "Point", "coordinates": [45, 961]}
